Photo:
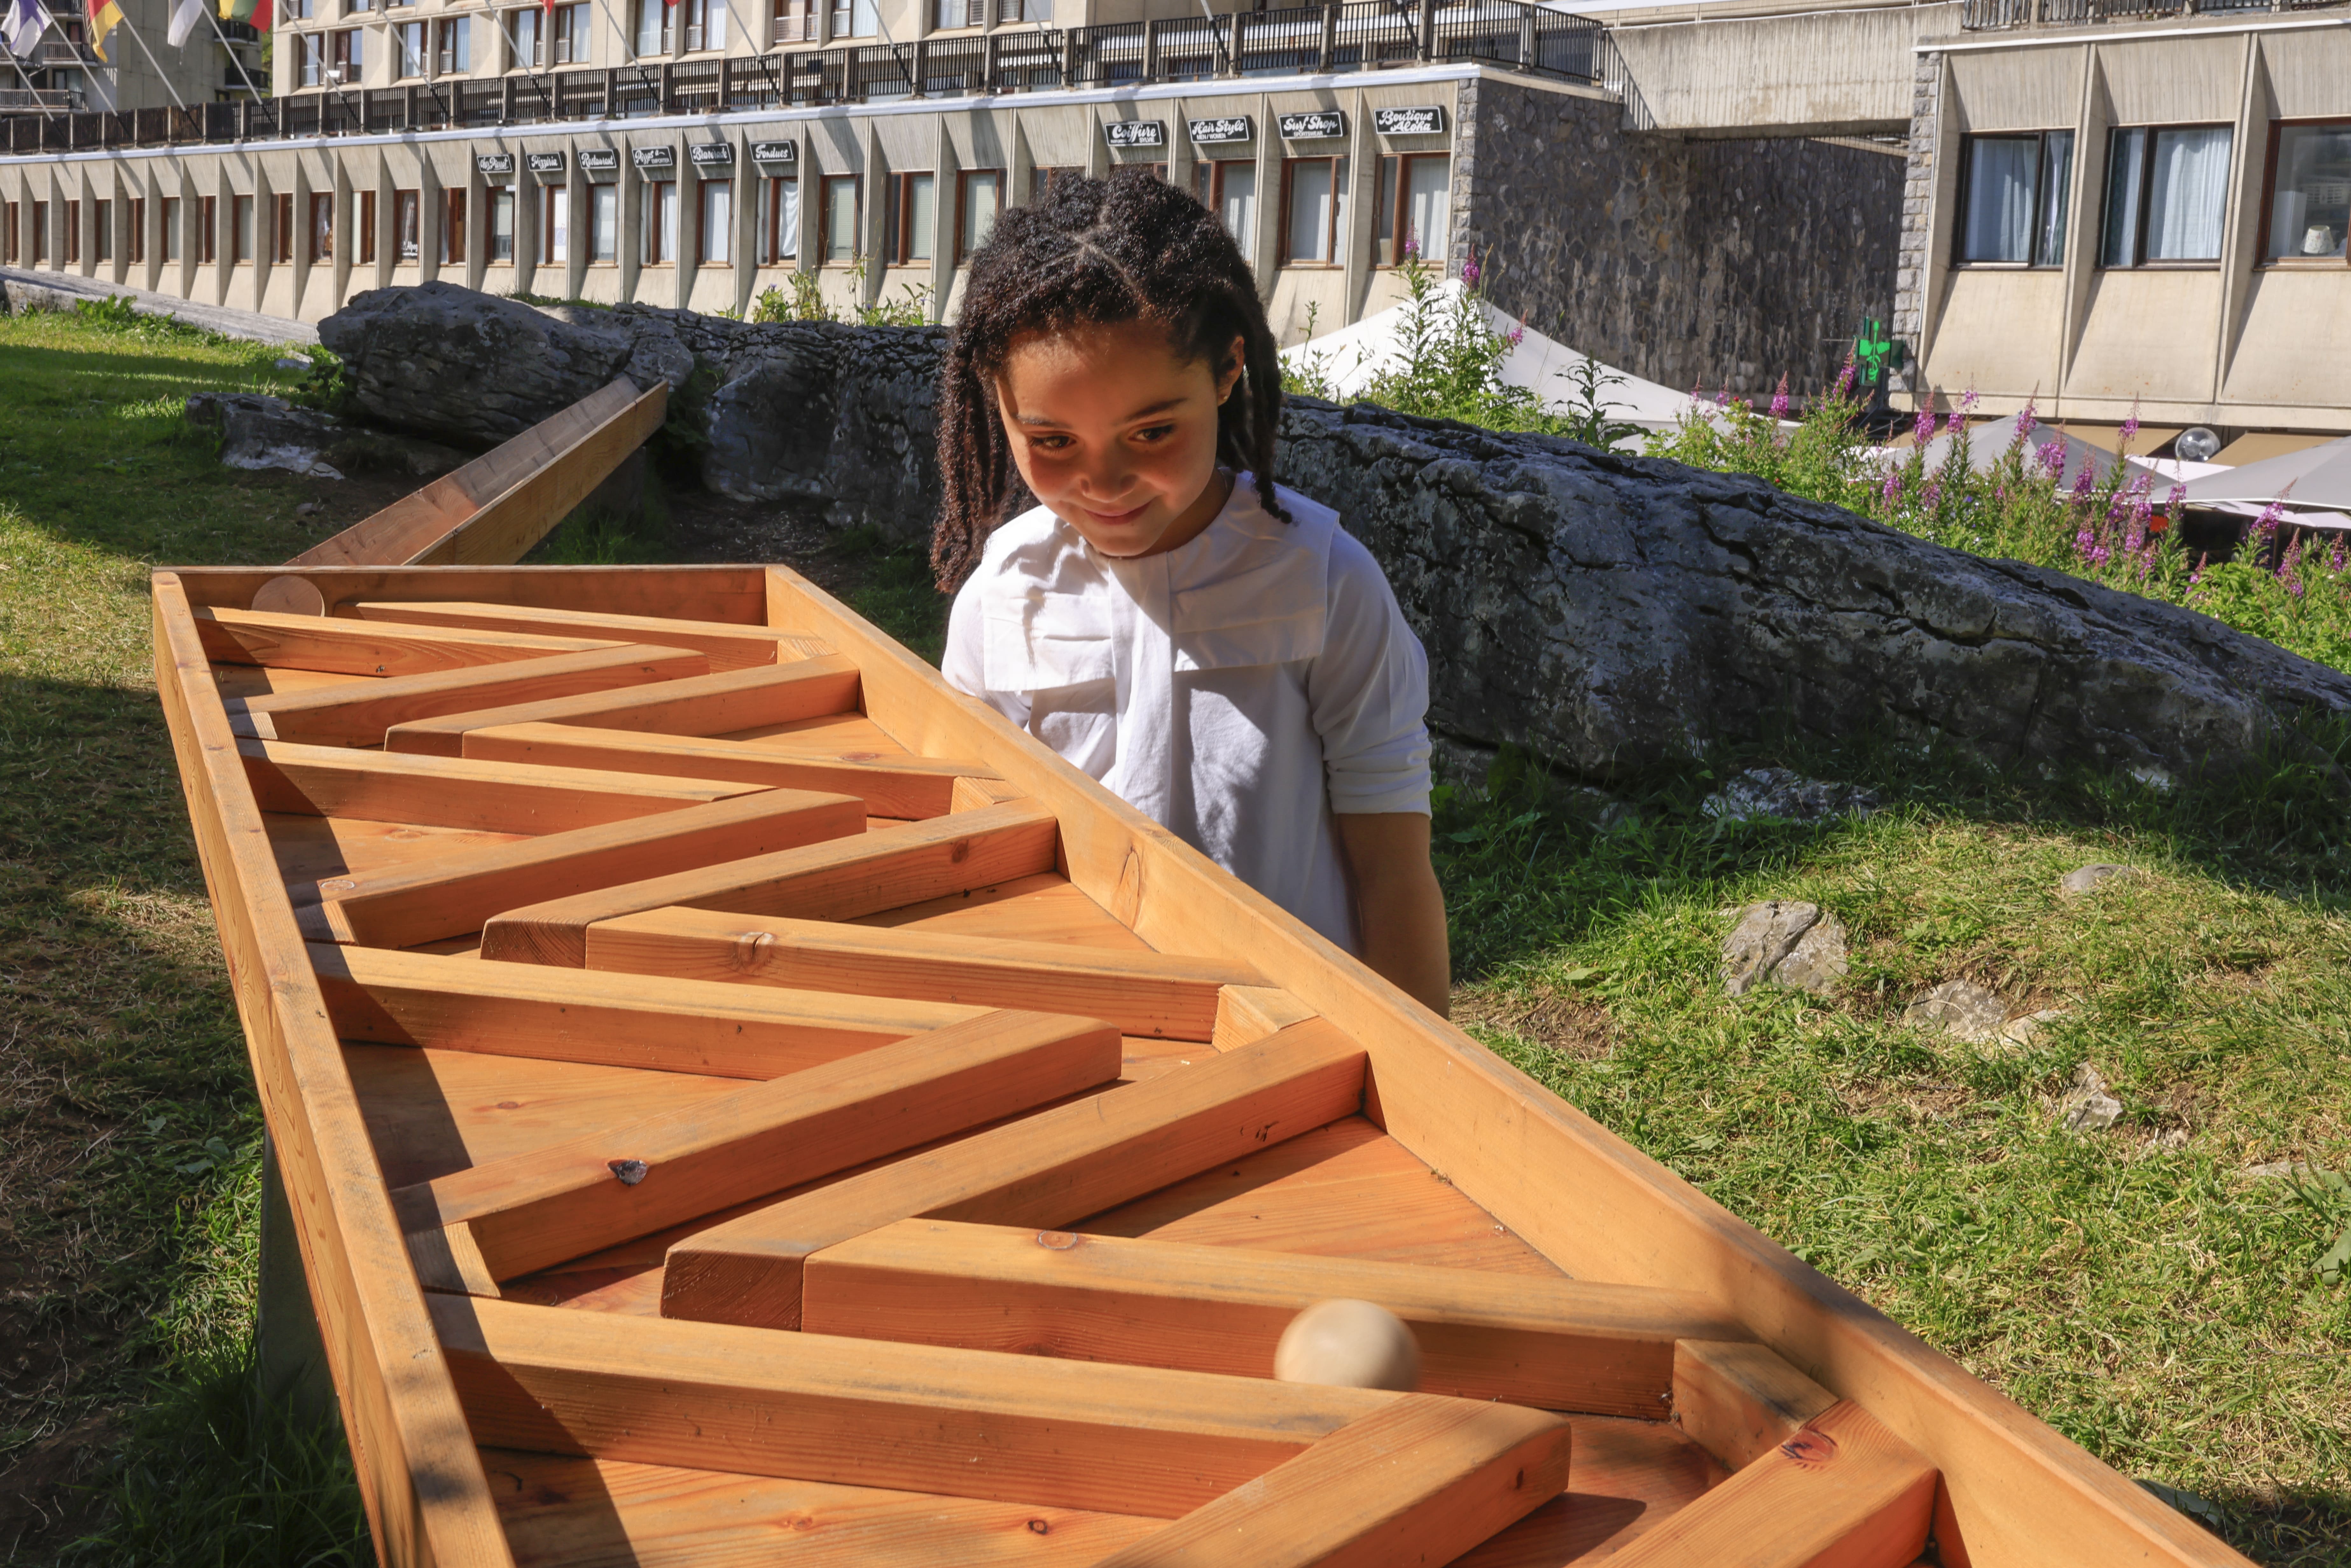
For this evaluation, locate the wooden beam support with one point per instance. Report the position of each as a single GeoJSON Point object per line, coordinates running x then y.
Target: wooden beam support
{"type": "Point", "coordinates": [1159, 996]}
{"type": "Point", "coordinates": [1559, 1344]}
{"type": "Point", "coordinates": [525, 1213]}
{"type": "Point", "coordinates": [908, 787]}
{"type": "Point", "coordinates": [280, 642]}
{"type": "Point", "coordinates": [1843, 1493]}
{"type": "Point", "coordinates": [1422, 1480]}
{"type": "Point", "coordinates": [729, 647]}
{"type": "Point", "coordinates": [1246, 1013]}
{"type": "Point", "coordinates": [611, 1020]}
{"type": "Point", "coordinates": [361, 712]}
{"type": "Point", "coordinates": [1019, 1428]}
{"type": "Point", "coordinates": [700, 704]}
{"type": "Point", "coordinates": [835, 881]}
{"type": "Point", "coordinates": [1739, 1401]}
{"type": "Point", "coordinates": [450, 895]}
{"type": "Point", "coordinates": [1049, 1169]}
{"type": "Point", "coordinates": [452, 792]}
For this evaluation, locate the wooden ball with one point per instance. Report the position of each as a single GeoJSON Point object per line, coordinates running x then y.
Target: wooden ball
{"type": "Point", "coordinates": [1354, 1345]}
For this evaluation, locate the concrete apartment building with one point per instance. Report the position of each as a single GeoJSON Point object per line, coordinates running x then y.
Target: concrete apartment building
{"type": "Point", "coordinates": [65, 75]}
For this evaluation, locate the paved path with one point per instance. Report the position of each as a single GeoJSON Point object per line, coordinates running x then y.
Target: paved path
{"type": "Point", "coordinates": [219, 318]}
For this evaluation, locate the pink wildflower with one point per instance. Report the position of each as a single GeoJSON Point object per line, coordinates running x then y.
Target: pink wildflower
{"type": "Point", "coordinates": [1923, 431]}
{"type": "Point", "coordinates": [1951, 426]}
{"type": "Point", "coordinates": [2084, 482]}
{"type": "Point", "coordinates": [1893, 488]}
{"type": "Point", "coordinates": [2130, 428]}
{"type": "Point", "coordinates": [1844, 378]}
{"type": "Point", "coordinates": [1780, 400]}
{"type": "Point", "coordinates": [1471, 272]}
{"type": "Point", "coordinates": [1968, 401]}
{"type": "Point", "coordinates": [2053, 457]}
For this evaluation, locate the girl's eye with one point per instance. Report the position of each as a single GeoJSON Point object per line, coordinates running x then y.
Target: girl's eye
{"type": "Point", "coordinates": [1048, 443]}
{"type": "Point", "coordinates": [1154, 433]}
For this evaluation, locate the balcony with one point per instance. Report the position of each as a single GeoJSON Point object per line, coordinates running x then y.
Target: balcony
{"type": "Point", "coordinates": [18, 101]}
{"type": "Point", "coordinates": [1988, 15]}
{"type": "Point", "coordinates": [52, 51]}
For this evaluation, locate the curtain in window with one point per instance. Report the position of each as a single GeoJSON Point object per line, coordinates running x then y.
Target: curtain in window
{"type": "Point", "coordinates": [1239, 205]}
{"type": "Point", "coordinates": [1310, 210]}
{"type": "Point", "coordinates": [864, 19]}
{"type": "Point", "coordinates": [2000, 171]}
{"type": "Point", "coordinates": [2311, 212]}
{"type": "Point", "coordinates": [2125, 163]}
{"type": "Point", "coordinates": [2056, 197]}
{"type": "Point", "coordinates": [2189, 191]}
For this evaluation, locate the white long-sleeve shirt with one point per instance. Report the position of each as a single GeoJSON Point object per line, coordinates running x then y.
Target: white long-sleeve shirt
{"type": "Point", "coordinates": [1237, 690]}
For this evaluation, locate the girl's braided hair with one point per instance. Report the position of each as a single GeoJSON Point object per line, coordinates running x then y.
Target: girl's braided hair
{"type": "Point", "coordinates": [1094, 253]}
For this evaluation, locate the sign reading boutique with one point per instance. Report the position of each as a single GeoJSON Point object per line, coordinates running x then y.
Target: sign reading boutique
{"type": "Point", "coordinates": [1427, 119]}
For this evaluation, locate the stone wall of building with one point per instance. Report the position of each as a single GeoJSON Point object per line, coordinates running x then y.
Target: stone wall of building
{"type": "Point", "coordinates": [1908, 321]}
{"type": "Point", "coordinates": [1680, 260]}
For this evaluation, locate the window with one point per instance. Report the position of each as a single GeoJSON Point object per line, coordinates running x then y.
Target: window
{"type": "Point", "coordinates": [603, 222]}
{"type": "Point", "coordinates": [979, 201]}
{"type": "Point", "coordinates": [502, 228]}
{"type": "Point", "coordinates": [407, 225]}
{"type": "Point", "coordinates": [40, 233]}
{"type": "Point", "coordinates": [571, 35]}
{"type": "Point", "coordinates": [526, 51]}
{"type": "Point", "coordinates": [961, 14]}
{"type": "Point", "coordinates": [457, 47]}
{"type": "Point", "coordinates": [410, 60]}
{"type": "Point", "coordinates": [241, 236]}
{"type": "Point", "coordinates": [366, 220]}
{"type": "Point", "coordinates": [137, 230]}
{"type": "Point", "coordinates": [102, 230]}
{"type": "Point", "coordinates": [295, 11]}
{"type": "Point", "coordinates": [314, 58]}
{"type": "Point", "coordinates": [281, 228]}
{"type": "Point", "coordinates": [555, 223]}
{"type": "Point", "coordinates": [349, 47]}
{"type": "Point", "coordinates": [780, 219]}
{"type": "Point", "coordinates": [322, 226]}
{"type": "Point", "coordinates": [2167, 190]}
{"type": "Point", "coordinates": [656, 26]}
{"type": "Point", "coordinates": [453, 229]}
{"type": "Point", "coordinates": [1415, 195]}
{"type": "Point", "coordinates": [2013, 196]}
{"type": "Point", "coordinates": [207, 229]}
{"type": "Point", "coordinates": [838, 218]}
{"type": "Point", "coordinates": [1227, 188]}
{"type": "Point", "coordinates": [706, 23]}
{"type": "Point", "coordinates": [73, 233]}
{"type": "Point", "coordinates": [914, 219]}
{"type": "Point", "coordinates": [169, 215]}
{"type": "Point", "coordinates": [1041, 178]}
{"type": "Point", "coordinates": [793, 22]}
{"type": "Point", "coordinates": [855, 19]}
{"type": "Point", "coordinates": [2310, 189]}
{"type": "Point", "coordinates": [661, 222]}
{"type": "Point", "coordinates": [714, 232]}
{"type": "Point", "coordinates": [9, 241]}
{"type": "Point", "coordinates": [355, 6]}
{"type": "Point", "coordinates": [1314, 228]}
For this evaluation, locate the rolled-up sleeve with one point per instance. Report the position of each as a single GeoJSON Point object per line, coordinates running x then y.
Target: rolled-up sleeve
{"type": "Point", "coordinates": [1368, 691]}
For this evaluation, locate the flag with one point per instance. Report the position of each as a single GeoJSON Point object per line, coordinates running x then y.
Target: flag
{"type": "Point", "coordinates": [103, 15]}
{"type": "Point", "coordinates": [22, 23]}
{"type": "Point", "coordinates": [254, 12]}
{"type": "Point", "coordinates": [184, 17]}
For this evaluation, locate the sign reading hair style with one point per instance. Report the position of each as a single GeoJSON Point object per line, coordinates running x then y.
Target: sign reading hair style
{"type": "Point", "coordinates": [775, 152]}
{"type": "Point", "coordinates": [1136, 132]}
{"type": "Point", "coordinates": [653, 157]}
{"type": "Point", "coordinates": [1426, 121]}
{"type": "Point", "coordinates": [1226, 128]}
{"type": "Point", "coordinates": [493, 162]}
{"type": "Point", "coordinates": [1314, 125]}
{"type": "Point", "coordinates": [544, 162]}
{"type": "Point", "coordinates": [705, 154]}
{"type": "Point", "coordinates": [598, 160]}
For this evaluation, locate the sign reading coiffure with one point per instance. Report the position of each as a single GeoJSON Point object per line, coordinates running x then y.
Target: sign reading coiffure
{"type": "Point", "coordinates": [1426, 120]}
{"type": "Point", "coordinates": [544, 163]}
{"type": "Point", "coordinates": [653, 157]}
{"type": "Point", "coordinates": [1315, 125]}
{"type": "Point", "coordinates": [1226, 128]}
{"type": "Point", "coordinates": [493, 163]}
{"type": "Point", "coordinates": [1136, 132]}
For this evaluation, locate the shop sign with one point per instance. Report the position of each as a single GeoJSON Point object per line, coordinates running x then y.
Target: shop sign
{"type": "Point", "coordinates": [1136, 132]}
{"type": "Point", "coordinates": [775, 151]}
{"type": "Point", "coordinates": [598, 161]}
{"type": "Point", "coordinates": [1426, 120]}
{"type": "Point", "coordinates": [544, 162]}
{"type": "Point", "coordinates": [493, 163]}
{"type": "Point", "coordinates": [1226, 128]}
{"type": "Point", "coordinates": [653, 157]}
{"type": "Point", "coordinates": [705, 155]}
{"type": "Point", "coordinates": [1315, 125]}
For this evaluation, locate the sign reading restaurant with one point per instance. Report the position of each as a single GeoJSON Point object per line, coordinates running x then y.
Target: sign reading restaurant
{"type": "Point", "coordinates": [1314, 125]}
{"type": "Point", "coordinates": [1226, 128]}
{"type": "Point", "coordinates": [598, 161]}
{"type": "Point", "coordinates": [704, 153]}
{"type": "Point", "coordinates": [775, 151]}
{"type": "Point", "coordinates": [493, 162]}
{"type": "Point", "coordinates": [653, 157]}
{"type": "Point", "coordinates": [1426, 121]}
{"type": "Point", "coordinates": [1136, 132]}
{"type": "Point", "coordinates": [544, 163]}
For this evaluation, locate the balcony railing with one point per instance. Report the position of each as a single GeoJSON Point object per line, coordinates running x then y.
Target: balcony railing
{"type": "Point", "coordinates": [1983, 15]}
{"type": "Point", "coordinates": [19, 100]}
{"type": "Point", "coordinates": [1347, 35]}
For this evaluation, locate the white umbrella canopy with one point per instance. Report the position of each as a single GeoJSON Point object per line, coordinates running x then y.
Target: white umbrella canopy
{"type": "Point", "coordinates": [1989, 443]}
{"type": "Point", "coordinates": [2316, 477]}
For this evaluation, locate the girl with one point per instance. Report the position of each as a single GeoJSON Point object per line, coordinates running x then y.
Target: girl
{"type": "Point", "coordinates": [1212, 647]}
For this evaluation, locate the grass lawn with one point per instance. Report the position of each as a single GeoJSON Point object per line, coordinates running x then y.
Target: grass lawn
{"type": "Point", "coordinates": [2135, 1285]}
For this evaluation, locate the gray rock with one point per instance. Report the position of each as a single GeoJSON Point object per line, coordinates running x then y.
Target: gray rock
{"type": "Point", "coordinates": [264, 433]}
{"type": "Point", "coordinates": [1776, 793]}
{"type": "Point", "coordinates": [1784, 943]}
{"type": "Point", "coordinates": [2023, 1030]}
{"type": "Point", "coordinates": [2088, 1105]}
{"type": "Point", "coordinates": [2090, 878]}
{"type": "Point", "coordinates": [2274, 1170]}
{"type": "Point", "coordinates": [1961, 1009]}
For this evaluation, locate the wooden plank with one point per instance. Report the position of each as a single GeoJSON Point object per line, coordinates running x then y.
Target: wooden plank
{"type": "Point", "coordinates": [951, 1422]}
{"type": "Point", "coordinates": [312, 850]}
{"type": "Point", "coordinates": [1844, 1492]}
{"type": "Point", "coordinates": [1738, 1400]}
{"type": "Point", "coordinates": [830, 881]}
{"type": "Point", "coordinates": [360, 714]}
{"type": "Point", "coordinates": [979, 791]}
{"type": "Point", "coordinates": [241, 681]}
{"type": "Point", "coordinates": [1040, 908]}
{"type": "Point", "coordinates": [608, 1186]}
{"type": "Point", "coordinates": [1561, 1344]}
{"type": "Point", "coordinates": [736, 595]}
{"type": "Point", "coordinates": [503, 502]}
{"type": "Point", "coordinates": [459, 893]}
{"type": "Point", "coordinates": [700, 704]}
{"type": "Point", "coordinates": [1159, 996]}
{"type": "Point", "coordinates": [729, 647]}
{"type": "Point", "coordinates": [620, 1020]}
{"type": "Point", "coordinates": [2021, 1496]}
{"type": "Point", "coordinates": [1629, 1477]}
{"type": "Point", "coordinates": [354, 648]}
{"type": "Point", "coordinates": [916, 787]}
{"type": "Point", "coordinates": [1244, 1013]}
{"type": "Point", "coordinates": [452, 792]}
{"type": "Point", "coordinates": [1420, 1481]}
{"type": "Point", "coordinates": [418, 1475]}
{"type": "Point", "coordinates": [1043, 1170]}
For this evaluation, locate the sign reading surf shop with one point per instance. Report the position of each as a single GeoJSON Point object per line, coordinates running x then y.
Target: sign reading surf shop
{"type": "Point", "coordinates": [1427, 119]}
{"type": "Point", "coordinates": [1314, 125]}
{"type": "Point", "coordinates": [1223, 128]}
{"type": "Point", "coordinates": [1136, 132]}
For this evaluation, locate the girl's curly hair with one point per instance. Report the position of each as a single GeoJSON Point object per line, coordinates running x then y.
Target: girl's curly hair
{"type": "Point", "coordinates": [1094, 253]}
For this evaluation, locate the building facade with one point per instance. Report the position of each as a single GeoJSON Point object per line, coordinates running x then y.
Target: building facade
{"type": "Point", "coordinates": [65, 75]}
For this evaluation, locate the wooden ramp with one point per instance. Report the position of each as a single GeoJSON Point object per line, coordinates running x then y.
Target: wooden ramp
{"type": "Point", "coordinates": [742, 1101]}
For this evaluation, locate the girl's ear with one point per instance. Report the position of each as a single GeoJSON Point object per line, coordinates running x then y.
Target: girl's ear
{"type": "Point", "coordinates": [1229, 367]}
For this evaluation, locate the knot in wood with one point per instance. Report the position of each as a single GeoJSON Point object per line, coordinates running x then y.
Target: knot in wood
{"type": "Point", "coordinates": [1056, 1241]}
{"type": "Point", "coordinates": [1039, 1527]}
{"type": "Point", "coordinates": [751, 948]}
{"type": "Point", "coordinates": [1810, 1448]}
{"type": "Point", "coordinates": [631, 1172]}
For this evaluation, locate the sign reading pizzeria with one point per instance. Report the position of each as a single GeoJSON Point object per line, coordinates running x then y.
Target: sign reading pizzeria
{"type": "Point", "coordinates": [543, 162]}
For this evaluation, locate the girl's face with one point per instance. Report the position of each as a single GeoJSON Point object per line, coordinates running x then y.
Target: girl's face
{"type": "Point", "coordinates": [1117, 435]}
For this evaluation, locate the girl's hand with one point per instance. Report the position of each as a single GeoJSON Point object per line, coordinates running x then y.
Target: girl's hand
{"type": "Point", "coordinates": [1399, 908]}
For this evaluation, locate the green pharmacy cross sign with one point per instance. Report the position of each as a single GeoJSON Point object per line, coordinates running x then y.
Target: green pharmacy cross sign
{"type": "Point", "coordinates": [1875, 351]}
